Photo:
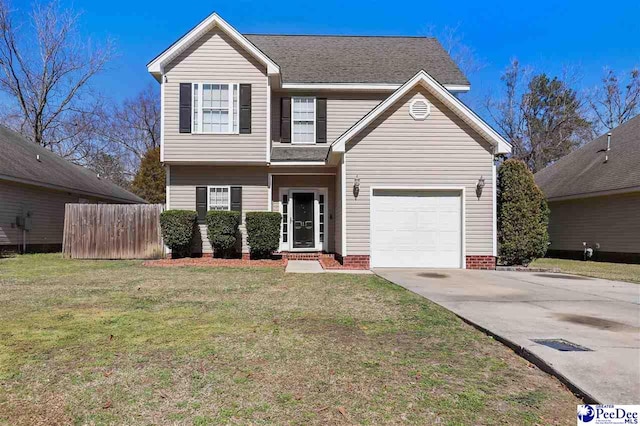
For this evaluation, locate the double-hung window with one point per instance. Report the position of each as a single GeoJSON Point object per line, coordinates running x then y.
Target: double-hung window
{"type": "Point", "coordinates": [303, 120]}
{"type": "Point", "coordinates": [215, 108]}
{"type": "Point", "coordinates": [219, 198]}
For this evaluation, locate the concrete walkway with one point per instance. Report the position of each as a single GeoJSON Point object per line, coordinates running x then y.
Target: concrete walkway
{"type": "Point", "coordinates": [304, 267]}
{"type": "Point", "coordinates": [520, 307]}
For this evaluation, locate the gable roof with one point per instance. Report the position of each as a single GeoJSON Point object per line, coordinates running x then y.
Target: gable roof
{"type": "Point", "coordinates": [19, 163]}
{"type": "Point", "coordinates": [387, 61]}
{"type": "Point", "coordinates": [501, 146]}
{"type": "Point", "coordinates": [358, 59]}
{"type": "Point", "coordinates": [584, 173]}
{"type": "Point", "coordinates": [156, 66]}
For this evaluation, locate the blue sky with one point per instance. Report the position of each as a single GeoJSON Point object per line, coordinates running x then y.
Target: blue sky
{"type": "Point", "coordinates": [547, 35]}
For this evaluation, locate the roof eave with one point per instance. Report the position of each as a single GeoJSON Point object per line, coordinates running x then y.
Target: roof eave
{"type": "Point", "coordinates": [501, 146]}
{"type": "Point", "coordinates": [156, 66]}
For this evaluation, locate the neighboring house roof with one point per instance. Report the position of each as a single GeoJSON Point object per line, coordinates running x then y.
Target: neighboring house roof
{"type": "Point", "coordinates": [357, 59]}
{"type": "Point", "coordinates": [295, 153]}
{"type": "Point", "coordinates": [19, 163]}
{"type": "Point", "coordinates": [331, 59]}
{"type": "Point", "coordinates": [584, 173]}
{"type": "Point", "coordinates": [440, 92]}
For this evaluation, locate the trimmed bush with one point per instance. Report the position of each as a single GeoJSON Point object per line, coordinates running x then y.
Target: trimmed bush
{"type": "Point", "coordinates": [263, 233]}
{"type": "Point", "coordinates": [222, 230]}
{"type": "Point", "coordinates": [523, 215]}
{"type": "Point", "coordinates": [178, 227]}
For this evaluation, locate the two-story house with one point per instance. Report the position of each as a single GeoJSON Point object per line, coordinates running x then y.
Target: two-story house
{"type": "Point", "coordinates": [360, 143]}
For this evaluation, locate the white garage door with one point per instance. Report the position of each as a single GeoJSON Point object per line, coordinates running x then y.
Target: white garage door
{"type": "Point", "coordinates": [416, 229]}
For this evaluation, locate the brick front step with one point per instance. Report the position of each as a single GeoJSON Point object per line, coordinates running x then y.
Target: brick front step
{"type": "Point", "coordinates": [304, 255]}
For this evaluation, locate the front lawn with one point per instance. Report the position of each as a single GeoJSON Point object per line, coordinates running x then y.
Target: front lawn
{"type": "Point", "coordinates": [609, 271]}
{"type": "Point", "coordinates": [114, 342]}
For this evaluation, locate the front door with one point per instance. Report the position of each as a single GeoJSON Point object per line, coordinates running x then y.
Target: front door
{"type": "Point", "coordinates": [303, 224]}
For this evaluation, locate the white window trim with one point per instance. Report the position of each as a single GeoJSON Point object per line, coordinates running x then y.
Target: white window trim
{"type": "Point", "coordinates": [315, 122]}
{"type": "Point", "coordinates": [228, 187]}
{"type": "Point", "coordinates": [232, 102]}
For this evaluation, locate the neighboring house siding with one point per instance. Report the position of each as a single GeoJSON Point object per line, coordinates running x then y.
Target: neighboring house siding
{"type": "Point", "coordinates": [396, 150]}
{"type": "Point", "coordinates": [344, 109]}
{"type": "Point", "coordinates": [253, 180]}
{"type": "Point", "coordinates": [215, 58]}
{"type": "Point", "coordinates": [610, 221]}
{"type": "Point", "coordinates": [47, 213]}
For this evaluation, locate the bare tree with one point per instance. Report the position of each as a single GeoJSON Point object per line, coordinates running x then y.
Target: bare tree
{"type": "Point", "coordinates": [110, 166]}
{"type": "Point", "coordinates": [452, 41]}
{"type": "Point", "coordinates": [615, 101]}
{"type": "Point", "coordinates": [542, 117]}
{"type": "Point", "coordinates": [133, 128]}
{"type": "Point", "coordinates": [47, 75]}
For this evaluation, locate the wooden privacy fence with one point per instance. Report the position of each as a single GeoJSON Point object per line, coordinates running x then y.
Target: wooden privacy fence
{"type": "Point", "coordinates": [112, 231]}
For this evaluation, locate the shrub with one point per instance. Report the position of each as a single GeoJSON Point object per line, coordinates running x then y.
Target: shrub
{"type": "Point", "coordinates": [178, 227]}
{"type": "Point", "coordinates": [263, 232]}
{"type": "Point", "coordinates": [222, 230]}
{"type": "Point", "coordinates": [523, 215]}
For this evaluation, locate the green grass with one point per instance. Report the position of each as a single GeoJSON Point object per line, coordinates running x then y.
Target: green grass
{"type": "Point", "coordinates": [610, 271]}
{"type": "Point", "coordinates": [112, 342]}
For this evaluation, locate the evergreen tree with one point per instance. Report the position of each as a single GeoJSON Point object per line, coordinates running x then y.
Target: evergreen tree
{"type": "Point", "coordinates": [149, 182]}
{"type": "Point", "coordinates": [523, 215]}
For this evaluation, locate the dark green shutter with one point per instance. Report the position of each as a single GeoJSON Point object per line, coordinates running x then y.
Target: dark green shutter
{"type": "Point", "coordinates": [245, 108]}
{"type": "Point", "coordinates": [185, 108]}
{"type": "Point", "coordinates": [236, 199]}
{"type": "Point", "coordinates": [285, 120]}
{"type": "Point", "coordinates": [321, 120]}
{"type": "Point", "coordinates": [201, 203]}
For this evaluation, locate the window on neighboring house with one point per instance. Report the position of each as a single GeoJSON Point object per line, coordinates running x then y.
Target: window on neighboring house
{"type": "Point", "coordinates": [215, 108]}
{"type": "Point", "coordinates": [303, 120]}
{"type": "Point", "coordinates": [219, 198]}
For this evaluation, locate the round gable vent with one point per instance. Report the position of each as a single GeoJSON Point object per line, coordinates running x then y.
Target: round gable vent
{"type": "Point", "coordinates": [419, 109]}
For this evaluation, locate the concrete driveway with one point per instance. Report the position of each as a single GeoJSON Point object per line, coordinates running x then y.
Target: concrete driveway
{"type": "Point", "coordinates": [520, 307]}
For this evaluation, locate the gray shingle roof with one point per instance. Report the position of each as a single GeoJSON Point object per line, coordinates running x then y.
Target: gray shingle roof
{"type": "Point", "coordinates": [584, 171]}
{"type": "Point", "coordinates": [299, 153]}
{"type": "Point", "coordinates": [18, 161]}
{"type": "Point", "coordinates": [357, 59]}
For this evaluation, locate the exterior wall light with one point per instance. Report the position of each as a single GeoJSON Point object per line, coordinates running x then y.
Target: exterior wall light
{"type": "Point", "coordinates": [356, 187]}
{"type": "Point", "coordinates": [479, 186]}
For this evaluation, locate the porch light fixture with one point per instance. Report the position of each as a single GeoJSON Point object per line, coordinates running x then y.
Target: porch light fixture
{"type": "Point", "coordinates": [480, 186]}
{"type": "Point", "coordinates": [356, 186]}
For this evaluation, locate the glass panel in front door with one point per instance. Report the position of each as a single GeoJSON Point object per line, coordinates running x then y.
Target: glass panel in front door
{"type": "Point", "coordinates": [303, 220]}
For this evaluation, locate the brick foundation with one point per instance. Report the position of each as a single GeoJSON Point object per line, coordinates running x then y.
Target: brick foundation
{"type": "Point", "coordinates": [355, 261]}
{"type": "Point", "coordinates": [481, 262]}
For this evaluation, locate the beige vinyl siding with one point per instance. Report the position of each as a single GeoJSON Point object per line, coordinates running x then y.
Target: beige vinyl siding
{"type": "Point", "coordinates": [396, 150]}
{"type": "Point", "coordinates": [215, 58]}
{"type": "Point", "coordinates": [47, 212]}
{"type": "Point", "coordinates": [185, 179]}
{"type": "Point", "coordinates": [611, 221]}
{"type": "Point", "coordinates": [344, 109]}
{"type": "Point", "coordinates": [310, 181]}
{"type": "Point", "coordinates": [254, 181]}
